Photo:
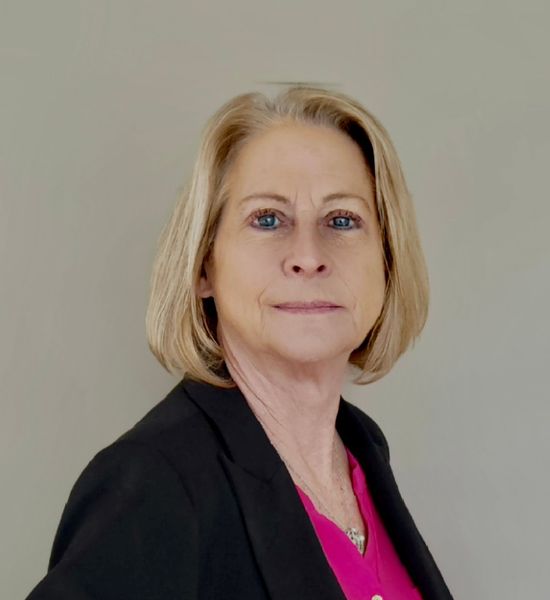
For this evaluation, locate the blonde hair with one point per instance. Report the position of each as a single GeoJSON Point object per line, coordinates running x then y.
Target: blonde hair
{"type": "Point", "coordinates": [181, 326]}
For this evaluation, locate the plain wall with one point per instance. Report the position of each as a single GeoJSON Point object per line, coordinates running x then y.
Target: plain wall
{"type": "Point", "coordinates": [101, 107]}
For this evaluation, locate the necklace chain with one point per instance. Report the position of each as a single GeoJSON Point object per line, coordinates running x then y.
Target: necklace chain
{"type": "Point", "coordinates": [353, 533]}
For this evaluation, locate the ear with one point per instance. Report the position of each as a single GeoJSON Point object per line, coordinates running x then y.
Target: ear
{"type": "Point", "coordinates": [204, 288]}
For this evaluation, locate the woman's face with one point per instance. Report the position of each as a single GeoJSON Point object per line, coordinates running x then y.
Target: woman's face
{"type": "Point", "coordinates": [300, 225]}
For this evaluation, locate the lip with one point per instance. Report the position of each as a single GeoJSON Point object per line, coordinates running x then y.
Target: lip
{"type": "Point", "coordinates": [312, 304]}
{"type": "Point", "coordinates": [316, 306]}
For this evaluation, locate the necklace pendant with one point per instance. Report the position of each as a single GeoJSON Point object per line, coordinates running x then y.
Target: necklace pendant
{"type": "Point", "coordinates": [357, 538]}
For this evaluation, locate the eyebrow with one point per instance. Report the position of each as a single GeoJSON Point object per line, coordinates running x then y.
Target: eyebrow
{"type": "Point", "coordinates": [285, 200]}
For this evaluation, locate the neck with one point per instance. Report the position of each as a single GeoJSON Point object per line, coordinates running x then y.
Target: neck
{"type": "Point", "coordinates": [298, 413]}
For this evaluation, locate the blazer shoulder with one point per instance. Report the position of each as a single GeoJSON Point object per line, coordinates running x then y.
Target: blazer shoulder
{"type": "Point", "coordinates": [175, 427]}
{"type": "Point", "coordinates": [173, 412]}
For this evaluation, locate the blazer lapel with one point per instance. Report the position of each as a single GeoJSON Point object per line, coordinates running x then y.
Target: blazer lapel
{"type": "Point", "coordinates": [285, 544]}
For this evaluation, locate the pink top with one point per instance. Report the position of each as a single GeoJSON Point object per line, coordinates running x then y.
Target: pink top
{"type": "Point", "coordinates": [377, 574]}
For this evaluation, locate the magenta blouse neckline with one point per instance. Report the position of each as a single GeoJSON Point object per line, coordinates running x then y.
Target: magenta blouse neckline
{"type": "Point", "coordinates": [379, 571]}
{"type": "Point", "coordinates": [326, 524]}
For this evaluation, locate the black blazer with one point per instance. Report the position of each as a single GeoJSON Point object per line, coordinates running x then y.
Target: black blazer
{"type": "Point", "coordinates": [194, 503]}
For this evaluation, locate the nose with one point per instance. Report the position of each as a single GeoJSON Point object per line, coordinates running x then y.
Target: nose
{"type": "Point", "coordinates": [306, 255]}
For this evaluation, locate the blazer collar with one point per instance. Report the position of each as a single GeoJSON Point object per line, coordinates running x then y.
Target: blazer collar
{"type": "Point", "coordinates": [284, 541]}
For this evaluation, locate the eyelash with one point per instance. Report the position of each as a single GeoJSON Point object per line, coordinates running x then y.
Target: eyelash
{"type": "Point", "coordinates": [340, 213]}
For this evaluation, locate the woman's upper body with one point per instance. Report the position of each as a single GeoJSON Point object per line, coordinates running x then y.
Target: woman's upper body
{"type": "Point", "coordinates": [291, 256]}
{"type": "Point", "coordinates": [194, 502]}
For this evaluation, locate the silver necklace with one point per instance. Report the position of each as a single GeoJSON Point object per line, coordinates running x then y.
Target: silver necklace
{"type": "Point", "coordinates": [356, 537]}
{"type": "Point", "coordinates": [353, 534]}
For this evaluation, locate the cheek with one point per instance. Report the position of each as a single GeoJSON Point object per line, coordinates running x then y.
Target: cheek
{"type": "Point", "coordinates": [367, 282]}
{"type": "Point", "coordinates": [243, 274]}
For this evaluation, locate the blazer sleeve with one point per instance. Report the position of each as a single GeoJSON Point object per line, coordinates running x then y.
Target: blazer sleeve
{"type": "Point", "coordinates": [127, 531]}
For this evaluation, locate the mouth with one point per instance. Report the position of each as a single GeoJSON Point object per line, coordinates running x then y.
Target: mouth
{"type": "Point", "coordinates": [314, 307]}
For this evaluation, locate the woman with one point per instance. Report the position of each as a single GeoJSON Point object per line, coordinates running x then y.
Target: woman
{"type": "Point", "coordinates": [291, 258]}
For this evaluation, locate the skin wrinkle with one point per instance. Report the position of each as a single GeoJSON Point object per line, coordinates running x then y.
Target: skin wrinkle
{"type": "Point", "coordinates": [284, 200]}
{"type": "Point", "coordinates": [290, 367]}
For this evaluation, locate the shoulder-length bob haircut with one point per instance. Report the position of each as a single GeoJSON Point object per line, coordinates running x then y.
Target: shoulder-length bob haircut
{"type": "Point", "coordinates": [181, 326]}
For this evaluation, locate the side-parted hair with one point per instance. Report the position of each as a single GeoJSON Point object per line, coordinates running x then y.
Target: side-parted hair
{"type": "Point", "coordinates": [181, 326]}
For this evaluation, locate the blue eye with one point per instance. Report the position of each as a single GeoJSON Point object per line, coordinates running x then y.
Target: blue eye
{"type": "Point", "coordinates": [342, 218]}
{"type": "Point", "coordinates": [266, 219]}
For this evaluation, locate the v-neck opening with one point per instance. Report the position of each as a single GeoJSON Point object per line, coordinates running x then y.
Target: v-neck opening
{"type": "Point", "coordinates": [355, 473]}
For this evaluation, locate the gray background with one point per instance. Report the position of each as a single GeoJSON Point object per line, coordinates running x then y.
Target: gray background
{"type": "Point", "coordinates": [101, 107]}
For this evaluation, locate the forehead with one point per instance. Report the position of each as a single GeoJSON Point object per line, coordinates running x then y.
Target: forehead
{"type": "Point", "coordinates": [299, 154]}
